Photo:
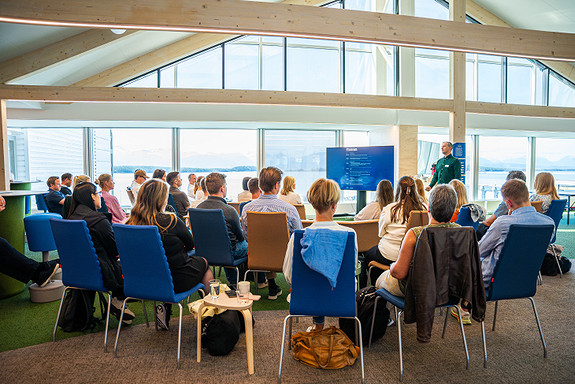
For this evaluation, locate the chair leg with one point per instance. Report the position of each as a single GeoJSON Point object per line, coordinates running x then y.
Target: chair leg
{"type": "Point", "coordinates": [237, 275]}
{"type": "Point", "coordinates": [539, 279]}
{"type": "Point", "coordinates": [557, 260]}
{"type": "Point", "coordinates": [290, 329]}
{"type": "Point", "coordinates": [462, 336]}
{"type": "Point", "coordinates": [361, 348]}
{"type": "Point", "coordinates": [219, 271]}
{"type": "Point", "coordinates": [120, 327]}
{"type": "Point", "coordinates": [107, 323]}
{"type": "Point", "coordinates": [155, 316]}
{"type": "Point", "coordinates": [58, 315]}
{"type": "Point", "coordinates": [369, 276]}
{"type": "Point", "coordinates": [484, 344]}
{"type": "Point", "coordinates": [398, 321]}
{"type": "Point", "coordinates": [283, 346]}
{"type": "Point", "coordinates": [373, 321]}
{"type": "Point", "coordinates": [495, 315]}
{"type": "Point", "coordinates": [539, 326]}
{"type": "Point", "coordinates": [146, 314]}
{"type": "Point", "coordinates": [444, 324]}
{"type": "Point", "coordinates": [180, 334]}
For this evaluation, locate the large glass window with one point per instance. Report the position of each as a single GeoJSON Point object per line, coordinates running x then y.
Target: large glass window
{"type": "Point", "coordinates": [497, 156]}
{"type": "Point", "coordinates": [147, 81]}
{"type": "Point", "coordinates": [300, 154]}
{"type": "Point", "coordinates": [430, 9]}
{"type": "Point", "coordinates": [242, 63]}
{"type": "Point", "coordinates": [489, 78]}
{"type": "Point", "coordinates": [524, 82]}
{"type": "Point", "coordinates": [147, 149]}
{"type": "Point", "coordinates": [553, 155]}
{"type": "Point", "coordinates": [201, 71]}
{"type": "Point", "coordinates": [431, 73]}
{"type": "Point", "coordinates": [234, 154]}
{"type": "Point", "coordinates": [369, 69]}
{"type": "Point", "coordinates": [313, 65]}
{"type": "Point", "coordinates": [561, 92]}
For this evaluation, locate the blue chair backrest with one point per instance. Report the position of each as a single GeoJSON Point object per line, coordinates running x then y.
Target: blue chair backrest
{"type": "Point", "coordinates": [555, 212]}
{"type": "Point", "coordinates": [39, 231]}
{"type": "Point", "coordinates": [80, 265]}
{"type": "Point", "coordinates": [464, 218]}
{"type": "Point", "coordinates": [172, 202]}
{"type": "Point", "coordinates": [516, 271]}
{"type": "Point", "coordinates": [312, 293]}
{"type": "Point", "coordinates": [211, 237]}
{"type": "Point", "coordinates": [144, 263]}
{"type": "Point", "coordinates": [40, 202]}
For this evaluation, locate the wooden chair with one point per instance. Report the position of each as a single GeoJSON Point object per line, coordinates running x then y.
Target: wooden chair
{"type": "Point", "coordinates": [366, 231]}
{"type": "Point", "coordinates": [306, 223]}
{"type": "Point", "coordinates": [235, 205]}
{"type": "Point", "coordinates": [301, 210]}
{"type": "Point", "coordinates": [131, 196]}
{"type": "Point", "coordinates": [537, 205]}
{"type": "Point", "coordinates": [268, 236]}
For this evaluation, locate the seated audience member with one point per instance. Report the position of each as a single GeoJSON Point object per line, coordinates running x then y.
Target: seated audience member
{"type": "Point", "coordinates": [54, 198]}
{"type": "Point", "coordinates": [68, 200]}
{"type": "Point", "coordinates": [287, 193]}
{"type": "Point", "coordinates": [21, 268]}
{"type": "Point", "coordinates": [217, 189]}
{"type": "Point", "coordinates": [191, 186]}
{"type": "Point", "coordinates": [199, 190]}
{"type": "Point", "coordinates": [65, 183]}
{"type": "Point", "coordinates": [421, 190]}
{"type": "Point", "coordinates": [516, 197]}
{"type": "Point", "coordinates": [139, 178]}
{"type": "Point", "coordinates": [202, 193]}
{"type": "Point", "coordinates": [85, 202]}
{"type": "Point", "coordinates": [323, 195]}
{"type": "Point", "coordinates": [253, 187]}
{"type": "Point", "coordinates": [461, 197]}
{"type": "Point", "coordinates": [245, 195]}
{"type": "Point", "coordinates": [159, 174]}
{"type": "Point", "coordinates": [392, 227]}
{"type": "Point", "coordinates": [187, 271]}
{"type": "Point", "coordinates": [269, 183]}
{"type": "Point", "coordinates": [180, 198]}
{"type": "Point", "coordinates": [106, 183]}
{"type": "Point", "coordinates": [545, 190]}
{"type": "Point", "coordinates": [501, 209]}
{"type": "Point", "coordinates": [383, 196]}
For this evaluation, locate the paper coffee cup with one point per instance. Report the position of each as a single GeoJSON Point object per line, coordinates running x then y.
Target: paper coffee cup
{"type": "Point", "coordinates": [244, 287]}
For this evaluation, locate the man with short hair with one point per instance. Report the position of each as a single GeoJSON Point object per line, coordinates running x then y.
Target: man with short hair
{"type": "Point", "coordinates": [447, 168]}
{"type": "Point", "coordinates": [180, 198]}
{"type": "Point", "coordinates": [218, 189]}
{"type": "Point", "coordinates": [254, 188]}
{"type": "Point", "coordinates": [516, 197]}
{"type": "Point", "coordinates": [269, 183]}
{"type": "Point", "coordinates": [66, 183]}
{"type": "Point", "coordinates": [54, 198]}
{"type": "Point", "coordinates": [192, 185]}
{"type": "Point", "coordinates": [140, 177]}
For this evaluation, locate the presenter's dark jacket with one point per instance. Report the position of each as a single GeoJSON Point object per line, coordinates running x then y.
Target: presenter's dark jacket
{"type": "Point", "coordinates": [447, 169]}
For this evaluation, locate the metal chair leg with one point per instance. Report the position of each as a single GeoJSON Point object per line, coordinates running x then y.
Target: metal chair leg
{"type": "Point", "coordinates": [283, 346]}
{"type": "Point", "coordinates": [290, 329]}
{"type": "Point", "coordinates": [180, 334]}
{"type": "Point", "coordinates": [398, 321]}
{"type": "Point", "coordinates": [107, 323]}
{"type": "Point", "coordinates": [557, 260]}
{"type": "Point", "coordinates": [462, 336]}
{"type": "Point", "coordinates": [146, 314]}
{"type": "Point", "coordinates": [373, 321]}
{"type": "Point", "coordinates": [495, 315]}
{"type": "Point", "coordinates": [120, 327]}
{"type": "Point", "coordinates": [444, 324]}
{"type": "Point", "coordinates": [484, 344]}
{"type": "Point", "coordinates": [539, 326]}
{"type": "Point", "coordinates": [155, 316]}
{"type": "Point", "coordinates": [237, 275]}
{"type": "Point", "coordinates": [361, 348]}
{"type": "Point", "coordinates": [58, 316]}
{"type": "Point", "coordinates": [539, 279]}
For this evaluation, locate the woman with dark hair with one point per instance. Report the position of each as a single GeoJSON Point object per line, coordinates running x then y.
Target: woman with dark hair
{"type": "Point", "coordinates": [85, 203]}
{"type": "Point", "coordinates": [245, 195]}
{"type": "Point", "coordinates": [159, 174]}
{"type": "Point", "coordinates": [383, 196]}
{"type": "Point", "coordinates": [392, 227]}
{"type": "Point", "coordinates": [187, 271]}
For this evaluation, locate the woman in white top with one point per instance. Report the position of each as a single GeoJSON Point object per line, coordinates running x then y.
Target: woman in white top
{"type": "Point", "coordinates": [323, 195]}
{"type": "Point", "coordinates": [200, 189]}
{"type": "Point", "coordinates": [245, 195]}
{"type": "Point", "coordinates": [392, 227]}
{"type": "Point", "coordinates": [545, 190]}
{"type": "Point", "coordinates": [383, 196]}
{"type": "Point", "coordinates": [287, 193]}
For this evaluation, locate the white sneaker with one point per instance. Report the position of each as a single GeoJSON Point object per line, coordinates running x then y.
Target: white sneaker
{"type": "Point", "coordinates": [116, 310]}
{"type": "Point", "coordinates": [161, 319]}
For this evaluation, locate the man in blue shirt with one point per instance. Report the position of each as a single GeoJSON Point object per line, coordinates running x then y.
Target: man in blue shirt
{"type": "Point", "coordinates": [269, 183]}
{"type": "Point", "coordinates": [516, 197]}
{"type": "Point", "coordinates": [54, 198]}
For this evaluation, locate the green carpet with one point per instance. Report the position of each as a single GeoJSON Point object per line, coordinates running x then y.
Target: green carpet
{"type": "Point", "coordinates": [24, 323]}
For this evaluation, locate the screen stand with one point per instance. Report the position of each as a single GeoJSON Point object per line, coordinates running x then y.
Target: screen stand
{"type": "Point", "coordinates": [361, 200]}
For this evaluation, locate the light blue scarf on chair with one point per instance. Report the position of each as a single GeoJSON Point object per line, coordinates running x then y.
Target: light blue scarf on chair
{"type": "Point", "coordinates": [322, 251]}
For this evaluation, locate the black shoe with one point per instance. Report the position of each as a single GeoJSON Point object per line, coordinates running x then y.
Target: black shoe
{"type": "Point", "coordinates": [274, 292]}
{"type": "Point", "coordinates": [45, 276]}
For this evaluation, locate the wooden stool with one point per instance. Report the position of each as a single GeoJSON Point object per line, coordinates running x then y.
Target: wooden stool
{"type": "Point", "coordinates": [245, 307]}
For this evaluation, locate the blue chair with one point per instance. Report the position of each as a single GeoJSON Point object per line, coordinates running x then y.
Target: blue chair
{"type": "Point", "coordinates": [39, 233]}
{"type": "Point", "coordinates": [211, 238]}
{"type": "Point", "coordinates": [555, 212]}
{"type": "Point", "coordinates": [312, 294]}
{"type": "Point", "coordinates": [172, 202]}
{"type": "Point", "coordinates": [80, 265]}
{"type": "Point", "coordinates": [516, 271]}
{"type": "Point", "coordinates": [146, 271]}
{"type": "Point", "coordinates": [464, 218]}
{"type": "Point", "coordinates": [41, 202]}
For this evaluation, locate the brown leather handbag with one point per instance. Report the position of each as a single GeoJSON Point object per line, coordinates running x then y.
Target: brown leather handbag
{"type": "Point", "coordinates": [329, 348]}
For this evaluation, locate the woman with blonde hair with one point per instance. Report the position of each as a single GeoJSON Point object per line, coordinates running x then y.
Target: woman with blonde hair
{"type": "Point", "coordinates": [392, 227]}
{"type": "Point", "coordinates": [323, 195]}
{"type": "Point", "coordinates": [383, 196]}
{"type": "Point", "coordinates": [287, 193]}
{"type": "Point", "coordinates": [461, 197]}
{"type": "Point", "coordinates": [187, 271]}
{"type": "Point", "coordinates": [421, 190]}
{"type": "Point", "coordinates": [106, 183]}
{"type": "Point", "coordinates": [545, 190]}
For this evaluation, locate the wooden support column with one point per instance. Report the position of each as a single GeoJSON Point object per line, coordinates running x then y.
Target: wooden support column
{"type": "Point", "coordinates": [407, 151]}
{"type": "Point", "coordinates": [4, 164]}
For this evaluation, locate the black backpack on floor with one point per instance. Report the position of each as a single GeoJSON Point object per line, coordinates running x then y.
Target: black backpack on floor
{"type": "Point", "coordinates": [365, 299]}
{"type": "Point", "coordinates": [78, 310]}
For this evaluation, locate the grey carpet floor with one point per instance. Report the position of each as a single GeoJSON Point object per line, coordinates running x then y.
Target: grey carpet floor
{"type": "Point", "coordinates": [146, 356]}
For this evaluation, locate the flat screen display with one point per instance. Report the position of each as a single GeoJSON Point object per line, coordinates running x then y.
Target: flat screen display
{"type": "Point", "coordinates": [360, 168]}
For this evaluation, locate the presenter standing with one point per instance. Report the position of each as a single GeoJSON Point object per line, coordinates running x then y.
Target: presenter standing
{"type": "Point", "coordinates": [447, 168]}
